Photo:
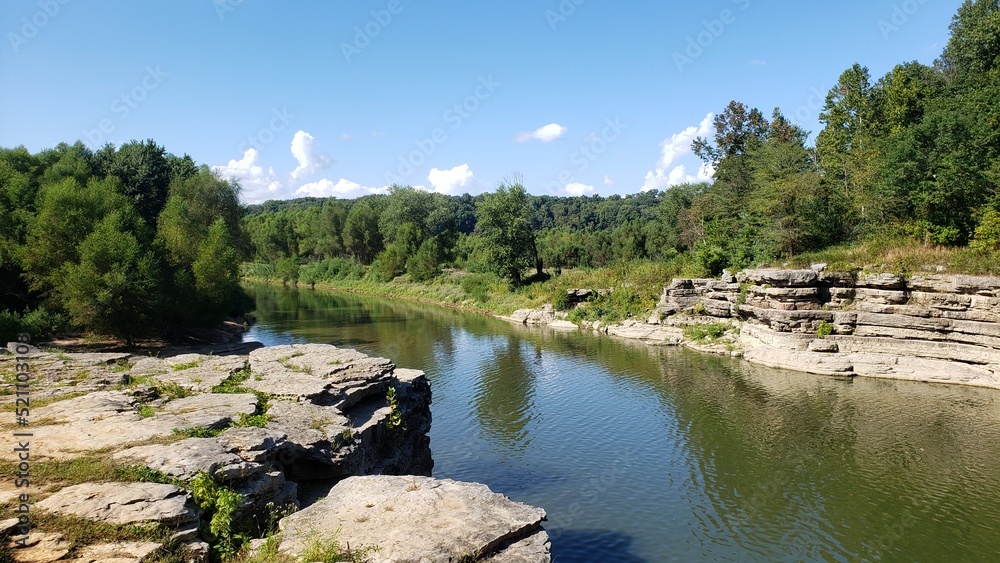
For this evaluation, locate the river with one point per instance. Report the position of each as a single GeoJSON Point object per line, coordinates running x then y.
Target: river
{"type": "Point", "coordinates": [663, 454]}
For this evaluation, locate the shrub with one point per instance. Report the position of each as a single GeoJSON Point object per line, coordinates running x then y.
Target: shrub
{"type": "Point", "coordinates": [824, 329]}
{"type": "Point", "coordinates": [561, 301]}
{"type": "Point", "coordinates": [987, 236]}
{"type": "Point", "coordinates": [10, 325]}
{"type": "Point", "coordinates": [478, 286]}
{"type": "Point", "coordinates": [706, 332]}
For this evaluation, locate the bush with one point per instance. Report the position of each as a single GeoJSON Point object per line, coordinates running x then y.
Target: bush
{"type": "Point", "coordinates": [824, 329]}
{"type": "Point", "coordinates": [706, 332]}
{"type": "Point", "coordinates": [10, 325]}
{"type": "Point", "coordinates": [41, 322]}
{"type": "Point", "coordinates": [423, 265]}
{"type": "Point", "coordinates": [561, 301]}
{"type": "Point", "coordinates": [987, 236]}
{"type": "Point", "coordinates": [477, 286]}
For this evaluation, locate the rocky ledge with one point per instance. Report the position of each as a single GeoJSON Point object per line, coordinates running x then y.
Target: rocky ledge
{"type": "Point", "coordinates": [927, 327]}
{"type": "Point", "coordinates": [134, 458]}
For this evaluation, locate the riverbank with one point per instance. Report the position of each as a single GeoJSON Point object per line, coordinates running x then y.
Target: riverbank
{"type": "Point", "coordinates": [290, 452]}
{"type": "Point", "coordinates": [942, 328]}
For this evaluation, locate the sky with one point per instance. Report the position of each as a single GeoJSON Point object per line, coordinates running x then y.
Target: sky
{"type": "Point", "coordinates": [338, 98]}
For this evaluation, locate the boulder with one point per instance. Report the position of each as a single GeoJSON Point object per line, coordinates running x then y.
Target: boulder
{"type": "Point", "coordinates": [413, 519]}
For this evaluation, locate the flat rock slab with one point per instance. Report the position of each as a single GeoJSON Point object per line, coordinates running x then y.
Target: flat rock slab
{"type": "Point", "coordinates": [413, 519]}
{"type": "Point", "coordinates": [110, 419]}
{"type": "Point", "coordinates": [124, 503]}
{"type": "Point", "coordinates": [41, 547]}
{"type": "Point", "coordinates": [184, 459]}
{"type": "Point", "coordinates": [318, 372]}
{"type": "Point", "coordinates": [125, 552]}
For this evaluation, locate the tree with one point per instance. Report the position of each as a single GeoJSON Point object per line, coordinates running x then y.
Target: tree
{"type": "Point", "coordinates": [113, 287]}
{"type": "Point", "coordinates": [144, 171]}
{"type": "Point", "coordinates": [67, 214]}
{"type": "Point", "coordinates": [423, 265]}
{"type": "Point", "coordinates": [215, 271]}
{"type": "Point", "coordinates": [847, 147]}
{"type": "Point", "coordinates": [502, 222]}
{"type": "Point", "coordinates": [973, 51]}
{"type": "Point", "coordinates": [195, 203]}
{"type": "Point", "coordinates": [361, 234]}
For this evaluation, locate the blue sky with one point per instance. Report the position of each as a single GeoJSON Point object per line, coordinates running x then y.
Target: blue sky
{"type": "Point", "coordinates": [343, 98]}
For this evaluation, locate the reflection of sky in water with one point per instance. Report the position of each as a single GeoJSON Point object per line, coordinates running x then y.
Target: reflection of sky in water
{"type": "Point", "coordinates": [664, 454]}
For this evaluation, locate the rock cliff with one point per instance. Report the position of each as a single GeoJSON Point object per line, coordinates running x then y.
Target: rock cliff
{"type": "Point", "coordinates": [938, 328]}
{"type": "Point", "coordinates": [121, 445]}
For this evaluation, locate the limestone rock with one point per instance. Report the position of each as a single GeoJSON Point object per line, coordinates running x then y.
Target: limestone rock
{"type": "Point", "coordinates": [41, 547]}
{"type": "Point", "coordinates": [125, 552]}
{"type": "Point", "coordinates": [124, 503]}
{"type": "Point", "coordinates": [563, 325]}
{"type": "Point", "coordinates": [531, 549]}
{"type": "Point", "coordinates": [184, 459]}
{"type": "Point", "coordinates": [413, 519]}
{"type": "Point", "coordinates": [780, 278]}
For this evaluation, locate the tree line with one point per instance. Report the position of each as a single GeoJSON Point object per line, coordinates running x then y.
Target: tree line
{"type": "Point", "coordinates": [133, 239]}
{"type": "Point", "coordinates": [911, 156]}
{"type": "Point", "coordinates": [127, 241]}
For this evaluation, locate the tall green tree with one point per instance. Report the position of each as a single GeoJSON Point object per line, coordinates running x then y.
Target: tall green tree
{"type": "Point", "coordinates": [502, 222]}
{"type": "Point", "coordinates": [113, 288]}
{"type": "Point", "coordinates": [216, 272]}
{"type": "Point", "coordinates": [361, 235]}
{"type": "Point", "coordinates": [144, 173]}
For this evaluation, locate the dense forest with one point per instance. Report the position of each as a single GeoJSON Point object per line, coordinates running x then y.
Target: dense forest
{"type": "Point", "coordinates": [133, 239]}
{"type": "Point", "coordinates": [129, 241]}
{"type": "Point", "coordinates": [912, 156]}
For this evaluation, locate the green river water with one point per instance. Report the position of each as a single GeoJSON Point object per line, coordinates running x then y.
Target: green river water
{"type": "Point", "coordinates": [662, 454]}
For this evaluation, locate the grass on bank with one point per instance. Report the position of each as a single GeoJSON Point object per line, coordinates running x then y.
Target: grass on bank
{"type": "Point", "coordinates": [636, 288]}
{"type": "Point", "coordinates": [900, 256]}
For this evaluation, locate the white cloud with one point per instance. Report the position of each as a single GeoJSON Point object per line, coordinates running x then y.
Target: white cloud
{"type": "Point", "coordinates": [579, 189]}
{"type": "Point", "coordinates": [456, 181]}
{"type": "Point", "coordinates": [258, 184]}
{"type": "Point", "coordinates": [677, 146]}
{"type": "Point", "coordinates": [305, 151]}
{"type": "Point", "coordinates": [609, 181]}
{"type": "Point", "coordinates": [661, 180]}
{"type": "Point", "coordinates": [545, 134]}
{"type": "Point", "coordinates": [758, 62]}
{"type": "Point", "coordinates": [343, 188]}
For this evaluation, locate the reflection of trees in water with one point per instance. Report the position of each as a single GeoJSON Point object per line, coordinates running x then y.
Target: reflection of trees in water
{"type": "Point", "coordinates": [503, 394]}
{"type": "Point", "coordinates": [772, 454]}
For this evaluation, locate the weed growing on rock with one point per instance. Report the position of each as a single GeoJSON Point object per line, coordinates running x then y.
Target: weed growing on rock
{"type": "Point", "coordinates": [706, 333]}
{"type": "Point", "coordinates": [395, 419]}
{"type": "Point", "coordinates": [824, 329]}
{"type": "Point", "coordinates": [219, 505]}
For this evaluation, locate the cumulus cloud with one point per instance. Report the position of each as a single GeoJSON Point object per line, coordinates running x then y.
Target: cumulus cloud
{"type": "Point", "coordinates": [455, 181]}
{"type": "Point", "coordinates": [306, 152]}
{"type": "Point", "coordinates": [609, 181]}
{"type": "Point", "coordinates": [668, 174]}
{"type": "Point", "coordinates": [343, 188]}
{"type": "Point", "coordinates": [258, 183]}
{"type": "Point", "coordinates": [579, 189]}
{"type": "Point", "coordinates": [545, 134]}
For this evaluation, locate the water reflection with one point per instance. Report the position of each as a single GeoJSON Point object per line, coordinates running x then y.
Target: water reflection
{"type": "Point", "coordinates": [503, 395]}
{"type": "Point", "coordinates": [640, 453]}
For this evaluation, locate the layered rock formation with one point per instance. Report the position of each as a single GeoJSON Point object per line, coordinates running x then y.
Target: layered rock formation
{"type": "Point", "coordinates": [937, 328]}
{"type": "Point", "coordinates": [278, 426]}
